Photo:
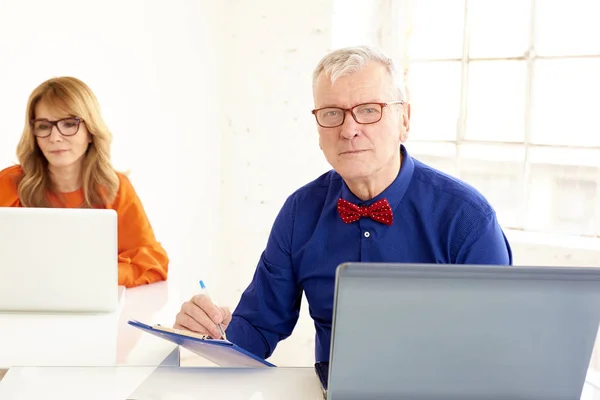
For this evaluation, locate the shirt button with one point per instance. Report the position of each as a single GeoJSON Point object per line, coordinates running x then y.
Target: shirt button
{"type": "Point", "coordinates": [367, 234]}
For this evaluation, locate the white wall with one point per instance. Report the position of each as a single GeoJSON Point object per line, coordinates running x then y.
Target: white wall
{"type": "Point", "coordinates": [210, 109]}
{"type": "Point", "coordinates": [155, 70]}
{"type": "Point", "coordinates": [270, 142]}
{"type": "Point", "coordinates": [271, 50]}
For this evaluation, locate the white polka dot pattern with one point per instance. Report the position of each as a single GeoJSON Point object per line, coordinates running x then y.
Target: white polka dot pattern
{"type": "Point", "coordinates": [379, 211]}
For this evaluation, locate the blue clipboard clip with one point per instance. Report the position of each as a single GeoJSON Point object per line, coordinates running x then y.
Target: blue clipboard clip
{"type": "Point", "coordinates": [221, 352]}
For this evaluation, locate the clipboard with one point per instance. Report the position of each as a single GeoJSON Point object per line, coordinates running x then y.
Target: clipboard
{"type": "Point", "coordinates": [322, 370]}
{"type": "Point", "coordinates": [221, 352]}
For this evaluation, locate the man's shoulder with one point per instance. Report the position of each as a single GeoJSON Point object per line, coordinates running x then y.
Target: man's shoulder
{"type": "Point", "coordinates": [314, 193]}
{"type": "Point", "coordinates": [319, 186]}
{"type": "Point", "coordinates": [452, 189]}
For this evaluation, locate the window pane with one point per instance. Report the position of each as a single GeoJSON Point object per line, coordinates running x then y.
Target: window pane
{"type": "Point", "coordinates": [567, 27]}
{"type": "Point", "coordinates": [501, 184]}
{"type": "Point", "coordinates": [489, 36]}
{"type": "Point", "coordinates": [437, 29]}
{"type": "Point", "coordinates": [565, 156]}
{"type": "Point", "coordinates": [563, 199]}
{"type": "Point", "coordinates": [497, 172]}
{"type": "Point", "coordinates": [511, 153]}
{"type": "Point", "coordinates": [435, 100]}
{"type": "Point", "coordinates": [496, 101]}
{"type": "Point", "coordinates": [446, 165]}
{"type": "Point", "coordinates": [434, 149]}
{"type": "Point", "coordinates": [566, 102]}
{"type": "Point", "coordinates": [439, 155]}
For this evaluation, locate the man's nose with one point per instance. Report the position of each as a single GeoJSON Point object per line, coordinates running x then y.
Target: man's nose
{"type": "Point", "coordinates": [350, 128]}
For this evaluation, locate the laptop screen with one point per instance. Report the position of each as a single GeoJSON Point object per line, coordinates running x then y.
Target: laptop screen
{"type": "Point", "coordinates": [462, 332]}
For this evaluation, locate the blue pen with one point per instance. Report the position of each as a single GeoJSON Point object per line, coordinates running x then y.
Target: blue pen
{"type": "Point", "coordinates": [204, 291]}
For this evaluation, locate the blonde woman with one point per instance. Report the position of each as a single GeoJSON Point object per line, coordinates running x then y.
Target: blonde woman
{"type": "Point", "coordinates": [64, 161]}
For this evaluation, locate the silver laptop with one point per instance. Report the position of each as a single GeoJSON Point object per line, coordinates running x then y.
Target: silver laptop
{"type": "Point", "coordinates": [58, 260]}
{"type": "Point", "coordinates": [462, 332]}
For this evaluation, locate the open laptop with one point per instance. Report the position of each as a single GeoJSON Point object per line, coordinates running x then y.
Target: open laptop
{"type": "Point", "coordinates": [58, 260]}
{"type": "Point", "coordinates": [461, 332]}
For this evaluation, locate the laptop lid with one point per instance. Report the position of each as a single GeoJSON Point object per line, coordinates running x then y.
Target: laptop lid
{"type": "Point", "coordinates": [58, 260]}
{"type": "Point", "coordinates": [462, 332]}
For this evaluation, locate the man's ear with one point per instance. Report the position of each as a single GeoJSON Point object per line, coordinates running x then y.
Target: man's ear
{"type": "Point", "coordinates": [405, 123]}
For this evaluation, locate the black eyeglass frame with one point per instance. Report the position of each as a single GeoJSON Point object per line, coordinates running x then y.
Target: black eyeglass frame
{"type": "Point", "coordinates": [55, 123]}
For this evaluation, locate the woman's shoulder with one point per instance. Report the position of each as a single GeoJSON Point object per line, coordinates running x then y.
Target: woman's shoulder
{"type": "Point", "coordinates": [125, 191]}
{"type": "Point", "coordinates": [124, 182]}
{"type": "Point", "coordinates": [9, 183]}
{"type": "Point", "coordinates": [12, 171]}
{"type": "Point", "coordinates": [10, 175]}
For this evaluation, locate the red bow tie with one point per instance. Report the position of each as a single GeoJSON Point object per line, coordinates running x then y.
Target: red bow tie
{"type": "Point", "coordinates": [379, 211]}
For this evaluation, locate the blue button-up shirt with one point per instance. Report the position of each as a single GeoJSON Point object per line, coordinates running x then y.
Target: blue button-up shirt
{"type": "Point", "coordinates": [437, 219]}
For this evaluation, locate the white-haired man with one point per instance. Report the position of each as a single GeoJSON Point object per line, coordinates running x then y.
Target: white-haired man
{"type": "Point", "coordinates": [377, 204]}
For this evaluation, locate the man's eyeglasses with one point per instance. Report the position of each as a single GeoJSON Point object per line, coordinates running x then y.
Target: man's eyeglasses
{"type": "Point", "coordinates": [67, 126]}
{"type": "Point", "coordinates": [367, 113]}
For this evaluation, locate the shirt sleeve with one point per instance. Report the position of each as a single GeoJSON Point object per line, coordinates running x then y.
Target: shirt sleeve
{"type": "Point", "coordinates": [142, 259]}
{"type": "Point", "coordinates": [270, 306]}
{"type": "Point", "coordinates": [486, 244]}
{"type": "Point", "coordinates": [9, 196]}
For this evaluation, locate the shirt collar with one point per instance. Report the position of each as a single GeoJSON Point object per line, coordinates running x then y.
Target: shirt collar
{"type": "Point", "coordinates": [393, 193]}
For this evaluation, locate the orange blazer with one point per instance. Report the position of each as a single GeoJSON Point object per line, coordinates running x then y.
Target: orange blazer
{"type": "Point", "coordinates": [142, 258]}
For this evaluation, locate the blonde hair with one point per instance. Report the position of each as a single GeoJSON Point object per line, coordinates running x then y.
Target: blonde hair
{"type": "Point", "coordinates": [100, 181]}
{"type": "Point", "coordinates": [348, 60]}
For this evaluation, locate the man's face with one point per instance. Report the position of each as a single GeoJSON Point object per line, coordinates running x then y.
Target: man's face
{"type": "Point", "coordinates": [360, 151]}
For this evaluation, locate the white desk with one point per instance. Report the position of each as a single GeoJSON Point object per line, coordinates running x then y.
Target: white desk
{"type": "Point", "coordinates": [162, 383]}
{"type": "Point", "coordinates": [91, 340]}
{"type": "Point", "coordinates": [170, 383]}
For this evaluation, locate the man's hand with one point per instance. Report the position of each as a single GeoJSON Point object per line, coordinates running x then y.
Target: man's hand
{"type": "Point", "coordinates": [201, 315]}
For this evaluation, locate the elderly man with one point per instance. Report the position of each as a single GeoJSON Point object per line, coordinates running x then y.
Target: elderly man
{"type": "Point", "coordinates": [377, 204]}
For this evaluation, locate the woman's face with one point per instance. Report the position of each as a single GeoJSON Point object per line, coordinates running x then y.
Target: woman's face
{"type": "Point", "coordinates": [62, 138]}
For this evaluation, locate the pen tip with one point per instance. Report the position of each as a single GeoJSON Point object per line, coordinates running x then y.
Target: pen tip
{"type": "Point", "coordinates": [202, 285]}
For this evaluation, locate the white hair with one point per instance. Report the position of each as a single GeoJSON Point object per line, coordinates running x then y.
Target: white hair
{"type": "Point", "coordinates": [349, 60]}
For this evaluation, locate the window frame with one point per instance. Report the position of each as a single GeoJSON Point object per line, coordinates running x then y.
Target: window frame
{"type": "Point", "coordinates": [585, 155]}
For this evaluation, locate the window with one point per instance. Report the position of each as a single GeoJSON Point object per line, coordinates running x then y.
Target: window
{"type": "Point", "coordinates": [505, 95]}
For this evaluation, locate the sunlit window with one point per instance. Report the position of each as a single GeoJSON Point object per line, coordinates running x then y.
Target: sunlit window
{"type": "Point", "coordinates": [506, 95]}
